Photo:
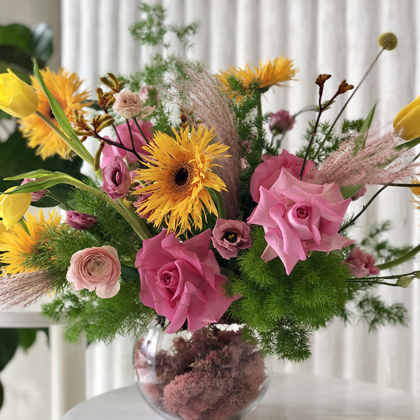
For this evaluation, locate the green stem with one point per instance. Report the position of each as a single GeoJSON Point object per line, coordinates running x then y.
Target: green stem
{"type": "Point", "coordinates": [59, 200]}
{"type": "Point", "coordinates": [141, 131]}
{"type": "Point", "coordinates": [83, 152]}
{"type": "Point", "coordinates": [373, 282]}
{"type": "Point", "coordinates": [136, 220]}
{"type": "Point", "coordinates": [400, 260]}
{"type": "Point", "coordinates": [259, 119]}
{"type": "Point", "coordinates": [220, 205]}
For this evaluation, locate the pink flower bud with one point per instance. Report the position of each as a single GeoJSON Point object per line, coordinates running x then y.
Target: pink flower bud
{"type": "Point", "coordinates": [280, 122]}
{"type": "Point", "coordinates": [361, 264]}
{"type": "Point", "coordinates": [145, 93]}
{"type": "Point", "coordinates": [80, 221]}
{"type": "Point", "coordinates": [117, 179]}
{"type": "Point", "coordinates": [36, 195]}
{"type": "Point", "coordinates": [359, 194]}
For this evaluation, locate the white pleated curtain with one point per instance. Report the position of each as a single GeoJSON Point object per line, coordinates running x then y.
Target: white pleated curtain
{"type": "Point", "coordinates": [337, 37]}
{"type": "Point", "coordinates": [322, 36]}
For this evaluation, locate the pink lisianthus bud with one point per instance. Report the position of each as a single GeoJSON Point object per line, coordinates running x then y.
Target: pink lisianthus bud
{"type": "Point", "coordinates": [229, 236]}
{"type": "Point", "coordinates": [36, 195]}
{"type": "Point", "coordinates": [145, 93]}
{"type": "Point", "coordinates": [95, 268]}
{"type": "Point", "coordinates": [281, 121]}
{"type": "Point", "coordinates": [299, 217]}
{"type": "Point", "coordinates": [139, 202]}
{"type": "Point", "coordinates": [361, 264]}
{"type": "Point", "coordinates": [80, 221]}
{"type": "Point", "coordinates": [268, 172]}
{"type": "Point", "coordinates": [129, 105]}
{"type": "Point", "coordinates": [182, 280]}
{"type": "Point", "coordinates": [117, 179]}
{"type": "Point", "coordinates": [123, 133]}
{"type": "Point", "coordinates": [359, 194]}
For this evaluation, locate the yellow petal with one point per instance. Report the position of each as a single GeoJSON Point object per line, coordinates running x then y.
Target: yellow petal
{"type": "Point", "coordinates": [13, 207]}
{"type": "Point", "coordinates": [20, 106]}
{"type": "Point", "coordinates": [2, 230]}
{"type": "Point", "coordinates": [408, 127]}
{"type": "Point", "coordinates": [406, 110]}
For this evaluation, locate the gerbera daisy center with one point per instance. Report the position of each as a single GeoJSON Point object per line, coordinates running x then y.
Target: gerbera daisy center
{"type": "Point", "coordinates": [182, 176]}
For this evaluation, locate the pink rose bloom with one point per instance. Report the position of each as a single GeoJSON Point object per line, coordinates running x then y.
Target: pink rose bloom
{"type": "Point", "coordinates": [359, 194]}
{"type": "Point", "coordinates": [117, 179]}
{"type": "Point", "coordinates": [36, 195]}
{"type": "Point", "coordinates": [268, 172]}
{"type": "Point", "coordinates": [299, 217]}
{"type": "Point", "coordinates": [229, 236]}
{"type": "Point", "coordinates": [130, 105]}
{"type": "Point", "coordinates": [96, 268]}
{"type": "Point", "coordinates": [361, 264]}
{"type": "Point", "coordinates": [110, 152]}
{"type": "Point", "coordinates": [182, 280]}
{"type": "Point", "coordinates": [281, 121]}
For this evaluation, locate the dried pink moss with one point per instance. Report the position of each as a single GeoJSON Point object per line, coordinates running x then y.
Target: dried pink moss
{"type": "Point", "coordinates": [212, 376]}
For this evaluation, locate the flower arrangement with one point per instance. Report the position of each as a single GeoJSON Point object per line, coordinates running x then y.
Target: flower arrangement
{"type": "Point", "coordinates": [196, 213]}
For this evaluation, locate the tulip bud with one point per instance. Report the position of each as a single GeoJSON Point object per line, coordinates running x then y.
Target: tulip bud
{"type": "Point", "coordinates": [407, 121]}
{"type": "Point", "coordinates": [13, 207]}
{"type": "Point", "coordinates": [17, 98]}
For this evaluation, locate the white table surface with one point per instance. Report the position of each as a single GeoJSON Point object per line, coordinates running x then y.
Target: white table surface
{"type": "Point", "coordinates": [289, 397]}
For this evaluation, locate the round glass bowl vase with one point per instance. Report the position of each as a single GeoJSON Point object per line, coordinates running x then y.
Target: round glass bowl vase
{"type": "Point", "coordinates": [215, 373]}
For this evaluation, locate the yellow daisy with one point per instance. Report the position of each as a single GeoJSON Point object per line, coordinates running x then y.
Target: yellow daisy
{"type": "Point", "coordinates": [273, 73]}
{"type": "Point", "coordinates": [63, 86]}
{"type": "Point", "coordinates": [178, 176]}
{"type": "Point", "coordinates": [18, 244]}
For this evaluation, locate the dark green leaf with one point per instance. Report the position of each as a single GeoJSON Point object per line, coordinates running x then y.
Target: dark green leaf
{"type": "Point", "coordinates": [27, 337]}
{"type": "Point", "coordinates": [129, 273]}
{"type": "Point", "coordinates": [16, 35]}
{"type": "Point", "coordinates": [18, 58]}
{"type": "Point", "coordinates": [9, 341]}
{"type": "Point", "coordinates": [1, 395]}
{"type": "Point", "coordinates": [41, 43]}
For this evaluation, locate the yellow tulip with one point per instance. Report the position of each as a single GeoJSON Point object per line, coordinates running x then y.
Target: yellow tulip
{"type": "Point", "coordinates": [2, 230]}
{"type": "Point", "coordinates": [407, 121]}
{"type": "Point", "coordinates": [17, 98]}
{"type": "Point", "coordinates": [13, 207]}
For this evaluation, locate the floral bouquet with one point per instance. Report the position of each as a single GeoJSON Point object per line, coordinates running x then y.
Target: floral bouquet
{"type": "Point", "coordinates": [196, 217]}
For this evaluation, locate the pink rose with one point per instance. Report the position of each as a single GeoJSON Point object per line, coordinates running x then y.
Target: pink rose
{"type": "Point", "coordinates": [110, 152]}
{"type": "Point", "coordinates": [182, 280]}
{"type": "Point", "coordinates": [130, 105]}
{"type": "Point", "coordinates": [268, 172]}
{"type": "Point", "coordinates": [96, 268]}
{"type": "Point", "coordinates": [229, 236]}
{"type": "Point", "coordinates": [361, 264]}
{"type": "Point", "coordinates": [299, 217]}
{"type": "Point", "coordinates": [281, 121]}
{"type": "Point", "coordinates": [117, 179]}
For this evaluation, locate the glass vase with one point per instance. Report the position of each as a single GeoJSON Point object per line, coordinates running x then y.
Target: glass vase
{"type": "Point", "coordinates": [216, 373]}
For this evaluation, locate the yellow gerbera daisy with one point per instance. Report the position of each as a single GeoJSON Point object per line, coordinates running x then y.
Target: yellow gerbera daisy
{"type": "Point", "coordinates": [178, 176]}
{"type": "Point", "coordinates": [63, 86]}
{"type": "Point", "coordinates": [262, 78]}
{"type": "Point", "coordinates": [18, 244]}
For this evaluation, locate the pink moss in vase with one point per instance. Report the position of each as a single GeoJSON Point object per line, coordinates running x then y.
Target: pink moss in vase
{"type": "Point", "coordinates": [211, 376]}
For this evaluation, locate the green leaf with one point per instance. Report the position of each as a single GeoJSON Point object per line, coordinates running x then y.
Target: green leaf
{"type": "Point", "coordinates": [368, 121]}
{"type": "Point", "coordinates": [9, 341]}
{"type": "Point", "coordinates": [16, 35]}
{"type": "Point", "coordinates": [17, 58]}
{"type": "Point", "coordinates": [27, 337]}
{"type": "Point", "coordinates": [129, 274]}
{"type": "Point", "coordinates": [41, 42]}
{"type": "Point", "coordinates": [41, 184]}
{"type": "Point", "coordinates": [39, 173]}
{"type": "Point", "coordinates": [61, 118]}
{"type": "Point", "coordinates": [350, 190]}
{"type": "Point", "coordinates": [409, 144]}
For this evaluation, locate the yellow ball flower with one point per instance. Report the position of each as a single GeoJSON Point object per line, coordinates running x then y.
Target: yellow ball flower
{"type": "Point", "coordinates": [17, 98]}
{"type": "Point", "coordinates": [407, 121]}
{"type": "Point", "coordinates": [13, 207]}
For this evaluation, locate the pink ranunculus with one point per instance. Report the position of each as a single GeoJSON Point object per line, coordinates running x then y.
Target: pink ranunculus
{"type": "Point", "coordinates": [182, 280]}
{"type": "Point", "coordinates": [268, 172]}
{"type": "Point", "coordinates": [361, 264]}
{"type": "Point", "coordinates": [110, 152]}
{"type": "Point", "coordinates": [299, 217]}
{"type": "Point", "coordinates": [36, 195]}
{"type": "Point", "coordinates": [229, 236]}
{"type": "Point", "coordinates": [117, 179]}
{"type": "Point", "coordinates": [96, 268]}
{"type": "Point", "coordinates": [127, 104]}
{"type": "Point", "coordinates": [359, 194]}
{"type": "Point", "coordinates": [281, 121]}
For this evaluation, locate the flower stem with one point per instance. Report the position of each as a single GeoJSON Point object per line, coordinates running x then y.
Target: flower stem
{"type": "Point", "coordinates": [410, 254]}
{"type": "Point", "coordinates": [59, 200]}
{"type": "Point", "coordinates": [220, 205]}
{"type": "Point", "coordinates": [373, 282]}
{"type": "Point", "coordinates": [259, 118]}
{"type": "Point", "coordinates": [141, 131]}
